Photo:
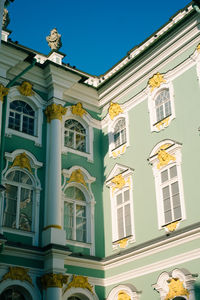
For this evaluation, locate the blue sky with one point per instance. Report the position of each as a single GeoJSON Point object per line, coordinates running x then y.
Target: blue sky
{"type": "Point", "coordinates": [95, 34]}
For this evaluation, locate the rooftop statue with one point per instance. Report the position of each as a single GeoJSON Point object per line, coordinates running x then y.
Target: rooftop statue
{"type": "Point", "coordinates": [6, 19]}
{"type": "Point", "coordinates": [54, 40]}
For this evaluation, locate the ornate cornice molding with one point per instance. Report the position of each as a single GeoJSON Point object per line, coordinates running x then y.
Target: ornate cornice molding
{"type": "Point", "coordinates": [55, 111]}
{"type": "Point", "coordinates": [53, 280]}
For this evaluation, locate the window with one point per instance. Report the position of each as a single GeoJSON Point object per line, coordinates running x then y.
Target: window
{"type": "Point", "coordinates": [74, 135]}
{"type": "Point", "coordinates": [21, 117]}
{"type": "Point", "coordinates": [166, 161]}
{"type": "Point", "coordinates": [15, 293]}
{"type": "Point", "coordinates": [120, 133]}
{"type": "Point", "coordinates": [163, 105]}
{"type": "Point", "coordinates": [75, 222]}
{"type": "Point", "coordinates": [18, 201]}
{"type": "Point", "coordinates": [123, 210]}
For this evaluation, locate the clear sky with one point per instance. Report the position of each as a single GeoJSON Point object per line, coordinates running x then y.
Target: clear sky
{"type": "Point", "coordinates": [95, 34]}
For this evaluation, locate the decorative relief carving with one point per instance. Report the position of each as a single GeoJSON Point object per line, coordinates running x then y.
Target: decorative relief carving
{"type": "Point", "coordinates": [53, 280]}
{"type": "Point", "coordinates": [26, 88]}
{"type": "Point", "coordinates": [17, 273]}
{"type": "Point", "coordinates": [198, 47]}
{"type": "Point", "coordinates": [123, 243]}
{"type": "Point", "coordinates": [123, 296]}
{"type": "Point", "coordinates": [3, 92]}
{"type": "Point", "coordinates": [120, 182]}
{"type": "Point", "coordinates": [172, 227]}
{"type": "Point", "coordinates": [163, 123]}
{"type": "Point", "coordinates": [176, 289]}
{"type": "Point", "coordinates": [55, 111]}
{"type": "Point", "coordinates": [80, 282]}
{"type": "Point", "coordinates": [54, 40]}
{"type": "Point", "coordinates": [156, 81]}
{"type": "Point", "coordinates": [78, 110]}
{"type": "Point", "coordinates": [22, 161]}
{"type": "Point", "coordinates": [6, 19]}
{"type": "Point", "coordinates": [164, 158]}
{"type": "Point", "coordinates": [119, 152]}
{"type": "Point", "coordinates": [77, 176]}
{"type": "Point", "coordinates": [114, 110]}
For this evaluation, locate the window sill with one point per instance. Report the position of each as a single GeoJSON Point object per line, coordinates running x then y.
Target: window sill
{"type": "Point", "coordinates": [170, 227]}
{"type": "Point", "coordinates": [18, 231]}
{"type": "Point", "coordinates": [78, 244]}
{"type": "Point", "coordinates": [9, 132]}
{"type": "Point", "coordinates": [119, 150]}
{"type": "Point", "coordinates": [158, 126]}
{"type": "Point", "coordinates": [89, 156]}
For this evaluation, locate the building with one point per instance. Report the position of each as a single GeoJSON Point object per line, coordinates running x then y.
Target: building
{"type": "Point", "coordinates": [101, 174]}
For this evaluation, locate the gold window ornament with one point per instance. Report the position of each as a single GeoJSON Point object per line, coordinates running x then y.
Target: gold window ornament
{"type": "Point", "coordinates": [80, 282]}
{"type": "Point", "coordinates": [156, 80]}
{"type": "Point", "coordinates": [17, 273]}
{"type": "Point", "coordinates": [22, 161]}
{"type": "Point", "coordinates": [176, 288]}
{"type": "Point", "coordinates": [3, 92]}
{"type": "Point", "coordinates": [26, 89]}
{"type": "Point", "coordinates": [77, 176]}
{"type": "Point", "coordinates": [114, 110]}
{"type": "Point", "coordinates": [164, 158]}
{"type": "Point", "coordinates": [78, 110]}
{"type": "Point", "coordinates": [123, 296]}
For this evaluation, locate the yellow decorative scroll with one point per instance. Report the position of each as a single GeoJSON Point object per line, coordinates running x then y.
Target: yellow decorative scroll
{"type": "Point", "coordinates": [80, 282]}
{"type": "Point", "coordinates": [114, 110]}
{"type": "Point", "coordinates": [176, 289]}
{"type": "Point", "coordinates": [22, 161]}
{"type": "Point", "coordinates": [164, 158]}
{"type": "Point", "coordinates": [156, 81]}
{"type": "Point", "coordinates": [123, 243]}
{"type": "Point", "coordinates": [172, 227]}
{"type": "Point", "coordinates": [78, 110]}
{"type": "Point", "coordinates": [26, 88]}
{"type": "Point", "coordinates": [123, 296]}
{"type": "Point", "coordinates": [52, 226]}
{"type": "Point", "coordinates": [55, 111]}
{"type": "Point", "coordinates": [53, 280]}
{"type": "Point", "coordinates": [119, 181]}
{"type": "Point", "coordinates": [119, 152]}
{"type": "Point", "coordinates": [77, 176]}
{"type": "Point", "coordinates": [17, 273]}
{"type": "Point", "coordinates": [3, 92]}
{"type": "Point", "coordinates": [163, 123]}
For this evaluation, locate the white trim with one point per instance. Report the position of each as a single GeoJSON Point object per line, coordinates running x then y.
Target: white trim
{"type": "Point", "coordinates": [130, 290]}
{"type": "Point", "coordinates": [37, 103]}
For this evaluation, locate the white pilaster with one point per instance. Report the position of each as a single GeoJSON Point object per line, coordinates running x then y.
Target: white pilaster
{"type": "Point", "coordinates": [53, 293]}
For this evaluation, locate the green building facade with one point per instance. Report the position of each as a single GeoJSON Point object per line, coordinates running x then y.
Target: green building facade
{"type": "Point", "coordinates": [99, 175]}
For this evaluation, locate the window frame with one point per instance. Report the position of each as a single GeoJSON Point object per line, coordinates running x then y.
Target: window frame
{"type": "Point", "coordinates": [37, 104]}
{"type": "Point", "coordinates": [75, 136]}
{"type": "Point", "coordinates": [174, 149]}
{"type": "Point", "coordinates": [152, 96]}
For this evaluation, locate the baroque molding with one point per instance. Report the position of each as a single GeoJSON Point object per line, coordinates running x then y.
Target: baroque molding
{"type": "Point", "coordinates": [53, 280]}
{"type": "Point", "coordinates": [119, 182]}
{"type": "Point", "coordinates": [77, 176]}
{"type": "Point", "coordinates": [78, 110]}
{"type": "Point", "coordinates": [26, 89]}
{"type": "Point", "coordinates": [114, 110]}
{"type": "Point", "coordinates": [164, 158]}
{"type": "Point", "coordinates": [156, 80]}
{"type": "Point", "coordinates": [22, 161]}
{"type": "Point", "coordinates": [80, 282]}
{"type": "Point", "coordinates": [162, 124]}
{"type": "Point", "coordinates": [55, 111]}
{"type": "Point", "coordinates": [3, 92]}
{"type": "Point", "coordinates": [17, 273]}
{"type": "Point", "coordinates": [176, 288]}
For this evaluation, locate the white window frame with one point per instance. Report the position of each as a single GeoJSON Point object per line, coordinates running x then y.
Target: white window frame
{"type": "Point", "coordinates": [37, 104]}
{"type": "Point", "coordinates": [90, 206]}
{"type": "Point", "coordinates": [130, 290]}
{"type": "Point", "coordinates": [174, 149]}
{"type": "Point", "coordinates": [85, 121]}
{"type": "Point", "coordinates": [121, 149]}
{"type": "Point", "coordinates": [152, 107]}
{"type": "Point", "coordinates": [35, 164]}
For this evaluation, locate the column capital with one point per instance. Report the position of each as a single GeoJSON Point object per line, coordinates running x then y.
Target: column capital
{"type": "Point", "coordinates": [55, 111]}
{"type": "Point", "coordinates": [3, 91]}
{"type": "Point", "coordinates": [53, 280]}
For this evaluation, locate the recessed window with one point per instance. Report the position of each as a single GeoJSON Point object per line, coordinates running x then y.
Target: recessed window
{"type": "Point", "coordinates": [75, 221]}
{"type": "Point", "coordinates": [75, 135]}
{"type": "Point", "coordinates": [21, 117]}
{"type": "Point", "coordinates": [120, 133]}
{"type": "Point", "coordinates": [163, 105]}
{"type": "Point", "coordinates": [18, 201]}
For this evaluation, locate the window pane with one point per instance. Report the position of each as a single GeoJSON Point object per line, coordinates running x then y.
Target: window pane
{"type": "Point", "coordinates": [177, 213]}
{"type": "Point", "coordinates": [80, 223]}
{"type": "Point", "coordinates": [80, 142]}
{"type": "Point", "coordinates": [168, 217]}
{"type": "Point", "coordinates": [68, 220]}
{"type": "Point", "coordinates": [126, 196]}
{"type": "Point", "coordinates": [10, 207]}
{"type": "Point", "coordinates": [173, 172]}
{"type": "Point", "coordinates": [128, 220]}
{"type": "Point", "coordinates": [164, 176]}
{"type": "Point", "coordinates": [119, 199]}
{"type": "Point", "coordinates": [75, 135]}
{"type": "Point", "coordinates": [167, 205]}
{"type": "Point", "coordinates": [26, 202]}
{"type": "Point", "coordinates": [69, 139]}
{"type": "Point", "coordinates": [120, 133]}
{"type": "Point", "coordinates": [165, 192]}
{"type": "Point", "coordinates": [120, 223]}
{"type": "Point", "coordinates": [167, 108]}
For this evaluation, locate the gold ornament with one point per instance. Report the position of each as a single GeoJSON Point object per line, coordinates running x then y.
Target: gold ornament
{"type": "Point", "coordinates": [123, 243]}
{"type": "Point", "coordinates": [80, 282]}
{"type": "Point", "coordinates": [156, 81]}
{"type": "Point", "coordinates": [172, 227]}
{"type": "Point", "coordinates": [114, 110]}
{"type": "Point", "coordinates": [176, 289]}
{"type": "Point", "coordinates": [26, 88]}
{"type": "Point", "coordinates": [164, 158]}
{"type": "Point", "coordinates": [55, 111]}
{"type": "Point", "coordinates": [22, 161]}
{"type": "Point", "coordinates": [123, 296]}
{"type": "Point", "coordinates": [119, 152]}
{"type": "Point", "coordinates": [119, 181]}
{"type": "Point", "coordinates": [163, 123]}
{"type": "Point", "coordinates": [3, 92]}
{"type": "Point", "coordinates": [78, 110]}
{"type": "Point", "coordinates": [17, 273]}
{"type": "Point", "coordinates": [77, 176]}
{"type": "Point", "coordinates": [53, 280]}
{"type": "Point", "coordinates": [198, 47]}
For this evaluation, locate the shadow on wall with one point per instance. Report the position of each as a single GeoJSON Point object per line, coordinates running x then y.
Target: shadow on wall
{"type": "Point", "coordinates": [197, 291]}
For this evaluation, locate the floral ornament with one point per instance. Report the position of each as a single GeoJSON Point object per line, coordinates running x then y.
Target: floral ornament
{"type": "Point", "coordinates": [156, 81]}
{"type": "Point", "coordinates": [114, 110]}
{"type": "Point", "coordinates": [78, 110]}
{"type": "Point", "coordinates": [26, 89]}
{"type": "Point", "coordinates": [3, 92]}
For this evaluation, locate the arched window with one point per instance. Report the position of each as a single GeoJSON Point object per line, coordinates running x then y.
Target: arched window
{"type": "Point", "coordinates": [15, 293]}
{"type": "Point", "coordinates": [74, 298]}
{"type": "Point", "coordinates": [75, 214]}
{"type": "Point", "coordinates": [120, 133]}
{"type": "Point", "coordinates": [18, 201]}
{"type": "Point", "coordinates": [22, 117]}
{"type": "Point", "coordinates": [75, 135]}
{"type": "Point", "coordinates": [162, 105]}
